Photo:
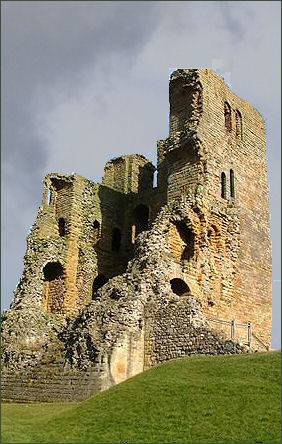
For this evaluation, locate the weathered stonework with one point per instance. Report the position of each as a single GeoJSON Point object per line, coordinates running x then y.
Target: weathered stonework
{"type": "Point", "coordinates": [121, 276]}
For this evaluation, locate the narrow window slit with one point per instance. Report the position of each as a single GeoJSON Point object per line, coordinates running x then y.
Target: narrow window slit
{"type": "Point", "coordinates": [62, 227]}
{"type": "Point", "coordinates": [232, 184]}
{"type": "Point", "coordinates": [239, 126]}
{"type": "Point", "coordinates": [227, 117]}
{"type": "Point", "coordinates": [223, 185]}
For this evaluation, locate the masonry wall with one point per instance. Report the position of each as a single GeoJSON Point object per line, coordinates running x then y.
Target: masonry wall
{"type": "Point", "coordinates": [126, 359]}
{"type": "Point", "coordinates": [173, 331]}
{"type": "Point", "coordinates": [184, 171]}
{"type": "Point", "coordinates": [54, 379]}
{"type": "Point", "coordinates": [131, 173]}
{"type": "Point", "coordinates": [50, 383]}
{"type": "Point", "coordinates": [90, 213]}
{"type": "Point", "coordinates": [45, 245]}
{"type": "Point", "coordinates": [241, 148]}
{"type": "Point", "coordinates": [233, 277]}
{"type": "Point", "coordinates": [102, 213]}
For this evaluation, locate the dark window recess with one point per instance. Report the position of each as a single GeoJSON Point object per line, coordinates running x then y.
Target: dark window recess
{"type": "Point", "coordinates": [54, 277]}
{"type": "Point", "coordinates": [98, 282]}
{"type": "Point", "coordinates": [232, 184]}
{"type": "Point", "coordinates": [239, 125]}
{"type": "Point", "coordinates": [62, 226]}
{"type": "Point", "coordinates": [96, 225]}
{"type": "Point", "coordinates": [188, 238]}
{"type": "Point", "coordinates": [227, 117]}
{"type": "Point", "coordinates": [96, 230]}
{"type": "Point", "coordinates": [223, 185]}
{"type": "Point", "coordinates": [116, 239]}
{"type": "Point", "coordinates": [52, 271]}
{"type": "Point", "coordinates": [141, 218]}
{"type": "Point", "coordinates": [179, 287]}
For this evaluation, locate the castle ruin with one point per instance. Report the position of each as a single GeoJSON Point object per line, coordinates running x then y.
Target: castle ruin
{"type": "Point", "coordinates": [123, 275]}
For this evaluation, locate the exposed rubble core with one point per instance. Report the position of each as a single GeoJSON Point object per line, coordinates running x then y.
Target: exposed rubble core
{"type": "Point", "coordinates": [121, 276]}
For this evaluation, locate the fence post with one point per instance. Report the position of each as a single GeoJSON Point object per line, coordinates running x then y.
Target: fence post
{"type": "Point", "coordinates": [233, 329]}
{"type": "Point", "coordinates": [249, 333]}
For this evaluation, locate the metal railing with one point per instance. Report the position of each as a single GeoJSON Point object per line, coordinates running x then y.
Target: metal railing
{"type": "Point", "coordinates": [260, 341]}
{"type": "Point", "coordinates": [234, 326]}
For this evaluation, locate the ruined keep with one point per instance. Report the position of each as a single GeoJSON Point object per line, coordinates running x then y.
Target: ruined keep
{"type": "Point", "coordinates": [123, 275]}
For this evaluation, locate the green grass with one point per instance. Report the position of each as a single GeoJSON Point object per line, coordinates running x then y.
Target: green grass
{"type": "Point", "coordinates": [219, 399]}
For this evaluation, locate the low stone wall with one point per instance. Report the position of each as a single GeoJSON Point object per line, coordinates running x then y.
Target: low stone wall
{"type": "Point", "coordinates": [49, 383]}
{"type": "Point", "coordinates": [176, 328]}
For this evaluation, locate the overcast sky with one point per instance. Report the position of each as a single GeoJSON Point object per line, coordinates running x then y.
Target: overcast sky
{"type": "Point", "coordinates": [83, 82]}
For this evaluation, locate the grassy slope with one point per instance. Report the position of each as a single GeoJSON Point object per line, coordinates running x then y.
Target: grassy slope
{"type": "Point", "coordinates": [193, 400]}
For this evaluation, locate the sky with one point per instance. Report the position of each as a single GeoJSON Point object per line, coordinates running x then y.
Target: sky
{"type": "Point", "coordinates": [83, 82]}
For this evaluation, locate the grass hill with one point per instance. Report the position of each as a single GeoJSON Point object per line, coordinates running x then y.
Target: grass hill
{"type": "Point", "coordinates": [201, 399]}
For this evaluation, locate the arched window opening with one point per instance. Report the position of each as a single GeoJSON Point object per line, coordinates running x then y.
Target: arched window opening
{"type": "Point", "coordinates": [62, 226]}
{"type": "Point", "coordinates": [52, 271]}
{"type": "Point", "coordinates": [223, 185]}
{"type": "Point", "coordinates": [98, 282]}
{"type": "Point", "coordinates": [96, 230]}
{"type": "Point", "coordinates": [116, 239]}
{"type": "Point", "coordinates": [141, 218]}
{"type": "Point", "coordinates": [54, 278]}
{"type": "Point", "coordinates": [188, 238]}
{"type": "Point", "coordinates": [232, 184]}
{"type": "Point", "coordinates": [179, 287]}
{"type": "Point", "coordinates": [239, 126]}
{"type": "Point", "coordinates": [227, 117]}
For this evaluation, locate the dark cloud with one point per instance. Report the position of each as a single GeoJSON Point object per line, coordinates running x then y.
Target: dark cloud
{"type": "Point", "coordinates": [232, 21]}
{"type": "Point", "coordinates": [45, 43]}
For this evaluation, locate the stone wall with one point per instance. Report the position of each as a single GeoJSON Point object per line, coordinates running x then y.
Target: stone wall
{"type": "Point", "coordinates": [50, 383]}
{"type": "Point", "coordinates": [131, 173]}
{"type": "Point", "coordinates": [176, 328]}
{"type": "Point", "coordinates": [240, 147]}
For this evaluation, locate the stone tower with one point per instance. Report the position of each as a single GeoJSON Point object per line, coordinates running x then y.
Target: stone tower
{"type": "Point", "coordinates": [217, 148]}
{"type": "Point", "coordinates": [122, 275]}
